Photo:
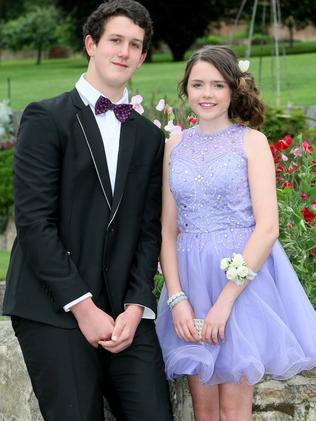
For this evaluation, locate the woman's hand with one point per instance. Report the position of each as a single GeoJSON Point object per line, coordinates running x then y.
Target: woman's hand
{"type": "Point", "coordinates": [213, 330]}
{"type": "Point", "coordinates": [182, 315]}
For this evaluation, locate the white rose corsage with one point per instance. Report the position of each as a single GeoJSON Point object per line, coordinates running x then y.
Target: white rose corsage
{"type": "Point", "coordinates": [236, 269]}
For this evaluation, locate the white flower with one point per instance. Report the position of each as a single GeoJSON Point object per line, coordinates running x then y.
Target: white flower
{"type": "Point", "coordinates": [238, 260]}
{"type": "Point", "coordinates": [242, 271]}
{"type": "Point", "coordinates": [157, 123]}
{"type": "Point", "coordinates": [161, 105]}
{"type": "Point", "coordinates": [5, 113]}
{"type": "Point", "coordinates": [136, 102]}
{"type": "Point", "coordinates": [243, 65]}
{"type": "Point", "coordinates": [224, 263]}
{"type": "Point", "coordinates": [231, 274]}
{"type": "Point", "coordinates": [172, 128]}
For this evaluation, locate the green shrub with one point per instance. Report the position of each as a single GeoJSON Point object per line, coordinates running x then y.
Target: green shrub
{"type": "Point", "coordinates": [295, 161]}
{"type": "Point", "coordinates": [6, 186]}
{"type": "Point", "coordinates": [279, 123]}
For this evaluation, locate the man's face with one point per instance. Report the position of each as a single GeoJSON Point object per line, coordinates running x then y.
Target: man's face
{"type": "Point", "coordinates": [117, 55]}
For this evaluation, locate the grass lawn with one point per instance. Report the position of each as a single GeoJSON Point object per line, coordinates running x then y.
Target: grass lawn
{"type": "Point", "coordinates": [4, 262]}
{"type": "Point", "coordinates": [30, 82]}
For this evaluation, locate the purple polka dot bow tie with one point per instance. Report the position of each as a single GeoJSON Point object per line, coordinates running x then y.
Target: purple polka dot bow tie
{"type": "Point", "coordinates": [121, 111]}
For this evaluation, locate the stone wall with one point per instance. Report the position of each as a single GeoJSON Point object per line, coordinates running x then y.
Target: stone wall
{"type": "Point", "coordinates": [8, 236]}
{"type": "Point", "coordinates": [293, 400]}
{"type": "Point", "coordinates": [2, 289]}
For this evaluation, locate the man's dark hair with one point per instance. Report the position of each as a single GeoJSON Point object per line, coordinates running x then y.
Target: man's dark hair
{"type": "Point", "coordinates": [95, 24]}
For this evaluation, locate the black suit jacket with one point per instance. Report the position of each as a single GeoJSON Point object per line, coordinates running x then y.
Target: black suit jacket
{"type": "Point", "coordinates": [72, 236]}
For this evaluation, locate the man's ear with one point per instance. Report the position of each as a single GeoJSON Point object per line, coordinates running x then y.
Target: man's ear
{"type": "Point", "coordinates": [142, 59]}
{"type": "Point", "coordinates": [90, 45]}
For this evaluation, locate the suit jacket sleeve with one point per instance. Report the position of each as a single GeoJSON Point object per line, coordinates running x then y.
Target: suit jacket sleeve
{"type": "Point", "coordinates": [145, 261]}
{"type": "Point", "coordinates": [37, 178]}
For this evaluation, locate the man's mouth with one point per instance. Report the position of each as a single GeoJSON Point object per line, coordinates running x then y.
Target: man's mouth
{"type": "Point", "coordinates": [120, 64]}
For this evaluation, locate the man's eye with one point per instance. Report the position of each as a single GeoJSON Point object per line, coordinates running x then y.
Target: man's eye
{"type": "Point", "coordinates": [136, 45]}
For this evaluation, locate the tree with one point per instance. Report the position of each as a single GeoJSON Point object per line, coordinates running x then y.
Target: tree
{"type": "Point", "coordinates": [179, 23]}
{"type": "Point", "coordinates": [36, 29]}
{"type": "Point", "coordinates": [297, 14]}
{"type": "Point", "coordinates": [12, 9]}
{"type": "Point", "coordinates": [176, 22]}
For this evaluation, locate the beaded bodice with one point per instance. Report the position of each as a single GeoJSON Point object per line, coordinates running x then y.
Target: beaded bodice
{"type": "Point", "coordinates": [208, 179]}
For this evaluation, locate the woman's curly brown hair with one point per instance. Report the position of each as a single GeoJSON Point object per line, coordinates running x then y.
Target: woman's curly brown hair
{"type": "Point", "coordinates": [246, 103]}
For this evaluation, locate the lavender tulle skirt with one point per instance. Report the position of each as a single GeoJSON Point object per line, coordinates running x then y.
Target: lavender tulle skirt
{"type": "Point", "coordinates": [271, 329]}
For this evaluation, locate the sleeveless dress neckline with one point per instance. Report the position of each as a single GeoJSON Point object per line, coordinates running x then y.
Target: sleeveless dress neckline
{"type": "Point", "coordinates": [211, 135]}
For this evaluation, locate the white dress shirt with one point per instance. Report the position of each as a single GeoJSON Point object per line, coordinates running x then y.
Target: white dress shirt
{"type": "Point", "coordinates": [110, 129]}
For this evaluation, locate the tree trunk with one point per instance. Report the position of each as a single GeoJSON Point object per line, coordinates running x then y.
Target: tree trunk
{"type": "Point", "coordinates": [291, 30]}
{"type": "Point", "coordinates": [39, 55]}
{"type": "Point", "coordinates": [177, 52]}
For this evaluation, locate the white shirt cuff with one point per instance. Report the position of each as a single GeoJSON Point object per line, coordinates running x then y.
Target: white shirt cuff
{"type": "Point", "coordinates": [148, 313]}
{"type": "Point", "coordinates": [76, 301]}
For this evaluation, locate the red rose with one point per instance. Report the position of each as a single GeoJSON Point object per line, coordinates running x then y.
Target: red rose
{"type": "Point", "coordinates": [309, 216]}
{"type": "Point", "coordinates": [303, 195]}
{"type": "Point", "coordinates": [279, 169]}
{"type": "Point", "coordinates": [307, 147]}
{"type": "Point", "coordinates": [282, 144]}
{"type": "Point", "coordinates": [313, 252]}
{"type": "Point", "coordinates": [192, 120]}
{"type": "Point", "coordinates": [286, 184]}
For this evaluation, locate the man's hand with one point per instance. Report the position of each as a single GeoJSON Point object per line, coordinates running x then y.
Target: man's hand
{"type": "Point", "coordinates": [93, 322]}
{"type": "Point", "coordinates": [124, 329]}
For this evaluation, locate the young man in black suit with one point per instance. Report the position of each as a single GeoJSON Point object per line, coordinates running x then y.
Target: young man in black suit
{"type": "Point", "coordinates": [87, 175]}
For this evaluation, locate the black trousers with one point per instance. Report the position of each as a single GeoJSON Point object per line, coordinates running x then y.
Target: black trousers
{"type": "Point", "coordinates": [70, 377]}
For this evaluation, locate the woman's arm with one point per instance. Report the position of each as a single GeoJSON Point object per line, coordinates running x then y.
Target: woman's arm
{"type": "Point", "coordinates": [182, 312]}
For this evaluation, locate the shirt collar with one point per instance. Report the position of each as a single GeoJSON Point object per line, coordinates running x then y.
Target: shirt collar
{"type": "Point", "coordinates": [90, 95]}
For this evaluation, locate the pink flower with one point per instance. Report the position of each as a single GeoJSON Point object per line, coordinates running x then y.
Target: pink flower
{"type": "Point", "coordinates": [169, 110]}
{"type": "Point", "coordinates": [161, 105]}
{"type": "Point", "coordinates": [284, 158]}
{"type": "Point", "coordinates": [159, 270]}
{"type": "Point", "coordinates": [172, 128]}
{"type": "Point", "coordinates": [313, 204]}
{"type": "Point", "coordinates": [307, 147]}
{"type": "Point", "coordinates": [303, 195]}
{"type": "Point", "coordinates": [157, 123]}
{"type": "Point", "coordinates": [297, 152]}
{"type": "Point", "coordinates": [136, 102]}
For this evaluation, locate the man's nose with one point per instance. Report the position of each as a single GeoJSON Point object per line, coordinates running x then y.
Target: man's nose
{"type": "Point", "coordinates": [124, 50]}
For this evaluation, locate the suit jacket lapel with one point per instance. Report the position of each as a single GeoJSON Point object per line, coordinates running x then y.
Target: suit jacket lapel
{"type": "Point", "coordinates": [95, 145]}
{"type": "Point", "coordinates": [126, 148]}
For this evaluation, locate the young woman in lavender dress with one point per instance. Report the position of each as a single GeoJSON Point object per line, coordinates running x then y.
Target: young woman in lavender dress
{"type": "Point", "coordinates": [219, 199]}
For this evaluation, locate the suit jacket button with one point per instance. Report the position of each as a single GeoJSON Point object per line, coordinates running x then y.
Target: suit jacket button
{"type": "Point", "coordinates": [106, 268]}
